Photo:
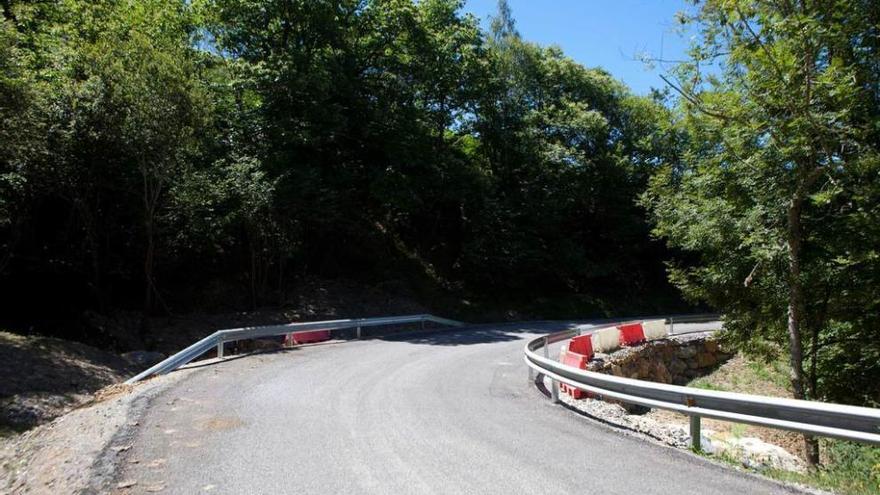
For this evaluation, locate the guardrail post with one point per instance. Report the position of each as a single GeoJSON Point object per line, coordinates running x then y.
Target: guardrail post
{"type": "Point", "coordinates": [554, 385]}
{"type": "Point", "coordinates": [695, 433]}
{"type": "Point", "coordinates": [671, 325]}
{"type": "Point", "coordinates": [359, 332]}
{"type": "Point", "coordinates": [220, 349]}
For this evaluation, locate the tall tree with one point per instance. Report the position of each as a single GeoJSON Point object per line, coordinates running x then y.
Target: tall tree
{"type": "Point", "coordinates": [573, 145]}
{"type": "Point", "coordinates": [783, 132]}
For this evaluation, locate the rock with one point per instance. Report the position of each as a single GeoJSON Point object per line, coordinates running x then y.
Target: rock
{"type": "Point", "coordinates": [660, 374]}
{"type": "Point", "coordinates": [711, 345]}
{"type": "Point", "coordinates": [266, 344]}
{"type": "Point", "coordinates": [757, 454]}
{"type": "Point", "coordinates": [677, 366]}
{"type": "Point", "coordinates": [143, 359]}
{"type": "Point", "coordinates": [706, 359]}
{"type": "Point", "coordinates": [686, 352]}
{"type": "Point", "coordinates": [706, 443]}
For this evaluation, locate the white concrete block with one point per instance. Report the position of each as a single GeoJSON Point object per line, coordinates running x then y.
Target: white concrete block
{"type": "Point", "coordinates": [605, 340]}
{"type": "Point", "coordinates": [654, 329]}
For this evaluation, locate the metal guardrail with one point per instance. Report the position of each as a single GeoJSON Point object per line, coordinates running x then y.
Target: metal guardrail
{"type": "Point", "coordinates": [217, 339]}
{"type": "Point", "coordinates": [861, 424]}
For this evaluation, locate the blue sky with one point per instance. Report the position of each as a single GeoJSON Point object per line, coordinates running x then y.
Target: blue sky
{"type": "Point", "coordinates": [606, 33]}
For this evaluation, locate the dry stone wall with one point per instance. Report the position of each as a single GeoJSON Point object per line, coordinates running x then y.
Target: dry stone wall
{"type": "Point", "coordinates": [676, 360]}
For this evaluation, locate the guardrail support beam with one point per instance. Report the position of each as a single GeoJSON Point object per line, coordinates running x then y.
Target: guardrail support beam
{"type": "Point", "coordinates": [695, 433]}
{"type": "Point", "coordinates": [220, 349]}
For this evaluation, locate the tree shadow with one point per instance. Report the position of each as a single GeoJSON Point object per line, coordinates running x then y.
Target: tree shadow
{"type": "Point", "coordinates": [43, 377]}
{"type": "Point", "coordinates": [477, 334]}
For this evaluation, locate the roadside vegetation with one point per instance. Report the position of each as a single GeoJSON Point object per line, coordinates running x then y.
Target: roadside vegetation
{"type": "Point", "coordinates": [846, 467]}
{"type": "Point", "coordinates": [165, 157]}
{"type": "Point", "coordinates": [776, 178]}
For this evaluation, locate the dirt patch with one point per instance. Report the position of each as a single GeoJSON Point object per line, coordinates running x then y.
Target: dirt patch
{"type": "Point", "coordinates": [78, 452]}
{"type": "Point", "coordinates": [45, 377]}
{"type": "Point", "coordinates": [112, 391]}
{"type": "Point", "coordinates": [220, 424]}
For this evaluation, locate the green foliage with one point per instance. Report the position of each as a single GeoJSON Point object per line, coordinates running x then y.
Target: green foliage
{"type": "Point", "coordinates": [849, 468]}
{"type": "Point", "coordinates": [158, 146]}
{"type": "Point", "coordinates": [773, 203]}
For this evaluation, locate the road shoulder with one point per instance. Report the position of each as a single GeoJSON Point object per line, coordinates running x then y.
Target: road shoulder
{"type": "Point", "coordinates": [79, 451]}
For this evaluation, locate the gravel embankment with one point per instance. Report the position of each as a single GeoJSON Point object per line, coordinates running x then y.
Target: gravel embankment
{"type": "Point", "coordinates": [77, 452]}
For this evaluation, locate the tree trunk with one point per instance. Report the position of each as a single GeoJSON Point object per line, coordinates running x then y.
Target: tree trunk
{"type": "Point", "coordinates": [796, 316]}
{"type": "Point", "coordinates": [148, 277]}
{"type": "Point", "coordinates": [254, 269]}
{"type": "Point", "coordinates": [151, 192]}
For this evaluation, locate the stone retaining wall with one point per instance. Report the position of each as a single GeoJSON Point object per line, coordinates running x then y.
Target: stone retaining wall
{"type": "Point", "coordinates": [676, 360]}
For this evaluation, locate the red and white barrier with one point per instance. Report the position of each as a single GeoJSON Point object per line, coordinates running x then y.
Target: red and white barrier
{"type": "Point", "coordinates": [580, 349]}
{"type": "Point", "coordinates": [654, 329]}
{"type": "Point", "coordinates": [630, 334]}
{"type": "Point", "coordinates": [606, 340]}
{"type": "Point", "coordinates": [307, 337]}
{"type": "Point", "coordinates": [582, 345]}
{"type": "Point", "coordinates": [578, 361]}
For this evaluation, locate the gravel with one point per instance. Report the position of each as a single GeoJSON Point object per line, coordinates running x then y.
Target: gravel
{"type": "Point", "coordinates": [78, 452]}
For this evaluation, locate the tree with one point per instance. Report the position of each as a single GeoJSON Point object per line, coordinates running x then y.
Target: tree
{"type": "Point", "coordinates": [566, 147]}
{"type": "Point", "coordinates": [782, 132]}
{"type": "Point", "coordinates": [145, 67]}
{"type": "Point", "coordinates": [243, 144]}
{"type": "Point", "coordinates": [19, 129]}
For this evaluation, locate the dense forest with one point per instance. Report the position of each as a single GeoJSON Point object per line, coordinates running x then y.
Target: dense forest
{"type": "Point", "coordinates": [166, 156]}
{"type": "Point", "coordinates": [170, 156]}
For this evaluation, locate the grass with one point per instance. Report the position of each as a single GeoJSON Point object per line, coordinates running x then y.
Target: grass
{"type": "Point", "coordinates": [848, 468]}
{"type": "Point", "coordinates": [851, 469]}
{"type": "Point", "coordinates": [707, 385]}
{"type": "Point", "coordinates": [738, 430]}
{"type": "Point", "coordinates": [775, 372]}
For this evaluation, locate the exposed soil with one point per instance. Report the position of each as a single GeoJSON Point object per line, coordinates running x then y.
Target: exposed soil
{"type": "Point", "coordinates": [79, 451]}
{"type": "Point", "coordinates": [45, 377]}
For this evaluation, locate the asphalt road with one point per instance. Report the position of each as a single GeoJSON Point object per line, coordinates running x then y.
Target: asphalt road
{"type": "Point", "coordinates": [448, 412]}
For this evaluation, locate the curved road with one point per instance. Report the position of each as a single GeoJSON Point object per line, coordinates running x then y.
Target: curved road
{"type": "Point", "coordinates": [447, 412]}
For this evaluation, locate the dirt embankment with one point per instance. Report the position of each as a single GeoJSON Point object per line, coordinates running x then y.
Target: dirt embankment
{"type": "Point", "coordinates": [45, 377]}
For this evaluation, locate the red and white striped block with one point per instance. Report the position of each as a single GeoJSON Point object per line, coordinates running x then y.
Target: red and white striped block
{"type": "Point", "coordinates": [633, 333]}
{"type": "Point", "coordinates": [578, 361]}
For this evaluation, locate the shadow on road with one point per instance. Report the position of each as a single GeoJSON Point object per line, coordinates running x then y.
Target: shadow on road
{"type": "Point", "coordinates": [482, 334]}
